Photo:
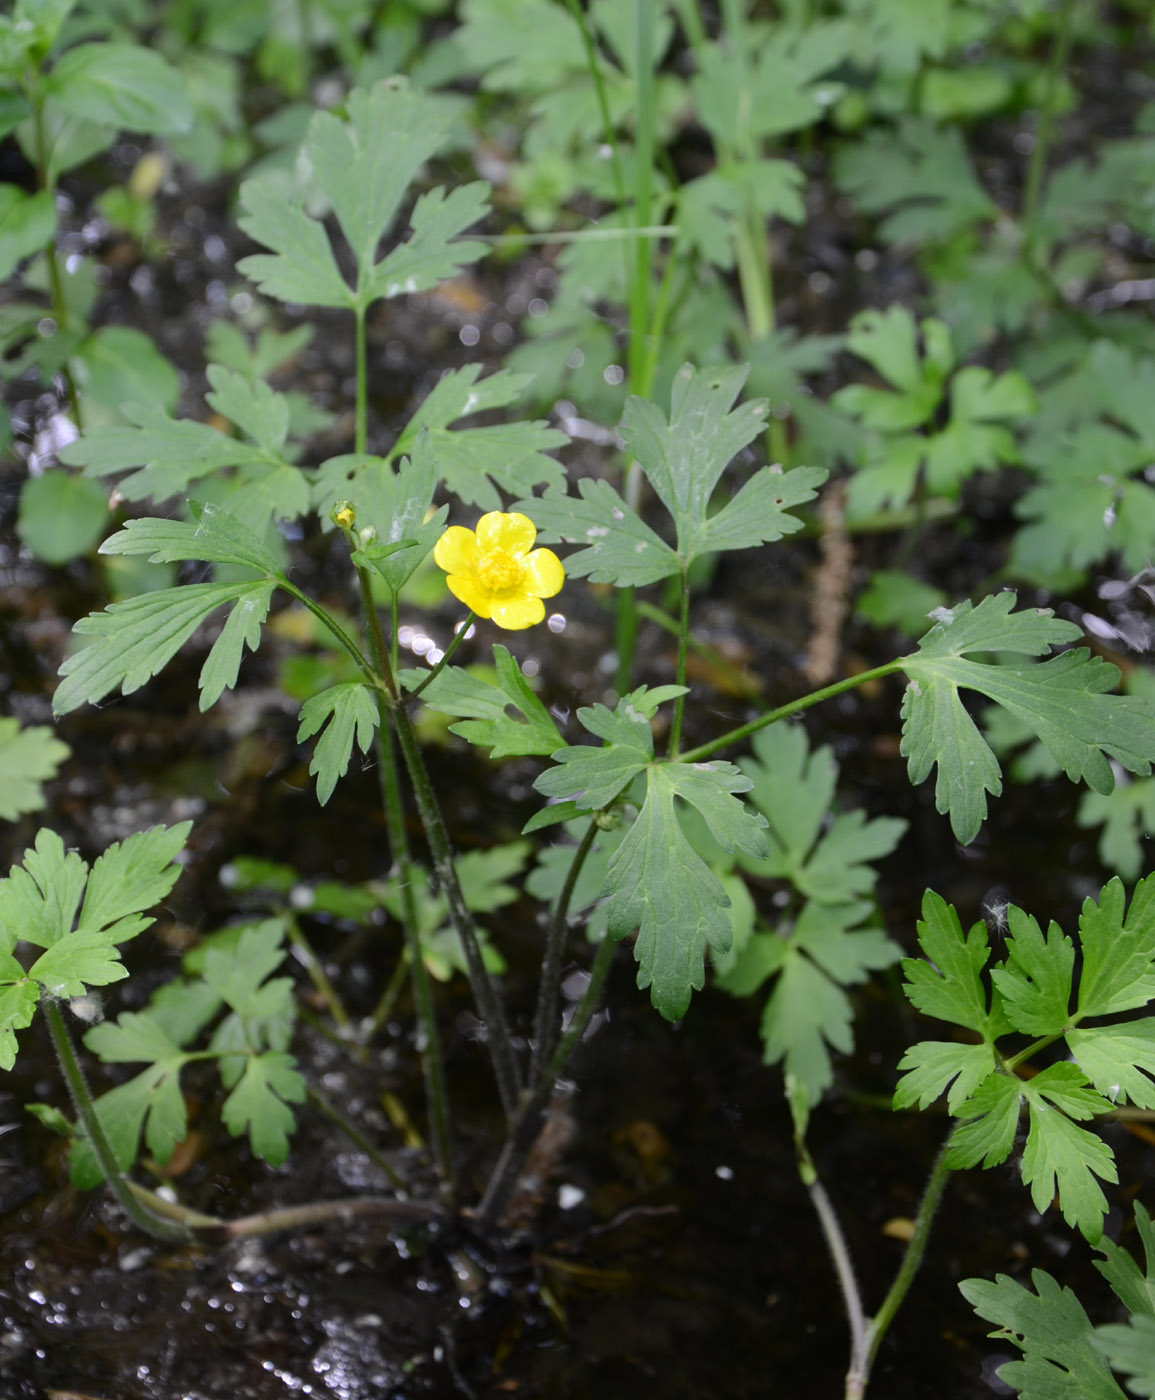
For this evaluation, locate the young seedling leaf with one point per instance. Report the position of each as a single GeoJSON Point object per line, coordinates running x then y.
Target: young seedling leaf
{"type": "Point", "coordinates": [29, 756]}
{"type": "Point", "coordinates": [351, 714]}
{"type": "Point", "coordinates": [485, 707]}
{"type": "Point", "coordinates": [1052, 1331]}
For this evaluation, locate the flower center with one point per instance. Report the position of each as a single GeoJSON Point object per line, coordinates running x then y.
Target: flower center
{"type": "Point", "coordinates": [499, 570]}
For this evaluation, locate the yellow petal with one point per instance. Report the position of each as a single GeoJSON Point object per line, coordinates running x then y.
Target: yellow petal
{"type": "Point", "coordinates": [456, 550]}
{"type": "Point", "coordinates": [543, 574]}
{"type": "Point", "coordinates": [471, 593]}
{"type": "Point", "coordinates": [517, 613]}
{"type": "Point", "coordinates": [513, 532]}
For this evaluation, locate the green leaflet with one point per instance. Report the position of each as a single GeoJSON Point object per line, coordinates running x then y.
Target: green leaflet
{"type": "Point", "coordinates": [78, 915]}
{"type": "Point", "coordinates": [348, 713]}
{"type": "Point", "coordinates": [683, 459]}
{"type": "Point", "coordinates": [29, 756]}
{"type": "Point", "coordinates": [1062, 700]}
{"type": "Point", "coordinates": [362, 164]}
{"type": "Point", "coordinates": [659, 885]}
{"type": "Point", "coordinates": [484, 707]}
{"type": "Point", "coordinates": [1032, 994]}
{"type": "Point", "coordinates": [1053, 1332]}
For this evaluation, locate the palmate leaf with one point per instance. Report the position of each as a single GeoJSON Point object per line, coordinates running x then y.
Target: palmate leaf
{"type": "Point", "coordinates": [474, 462]}
{"type": "Point", "coordinates": [935, 1066]}
{"type": "Point", "coordinates": [683, 459]}
{"type": "Point", "coordinates": [29, 756]}
{"type": "Point", "coordinates": [258, 1104]}
{"type": "Point", "coordinates": [18, 1002]}
{"type": "Point", "coordinates": [301, 267]}
{"type": "Point", "coordinates": [826, 861]}
{"type": "Point", "coordinates": [1118, 1060]}
{"type": "Point", "coordinates": [923, 181]}
{"type": "Point", "coordinates": [484, 707]}
{"type": "Point", "coordinates": [809, 1014]}
{"type": "Point", "coordinates": [351, 715]}
{"type": "Point", "coordinates": [153, 1097]}
{"type": "Point", "coordinates": [1052, 1331]}
{"type": "Point", "coordinates": [1118, 952]}
{"type": "Point", "coordinates": [260, 412]}
{"type": "Point", "coordinates": [394, 502]}
{"type": "Point", "coordinates": [1130, 1349]}
{"type": "Point", "coordinates": [594, 777]}
{"type": "Point", "coordinates": [362, 164]}
{"type": "Point", "coordinates": [77, 916]}
{"type": "Point", "coordinates": [429, 256]}
{"type": "Point", "coordinates": [137, 638]}
{"type": "Point", "coordinates": [1062, 700]}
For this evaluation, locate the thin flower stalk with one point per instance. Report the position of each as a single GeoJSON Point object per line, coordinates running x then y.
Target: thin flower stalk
{"type": "Point", "coordinates": [498, 1038]}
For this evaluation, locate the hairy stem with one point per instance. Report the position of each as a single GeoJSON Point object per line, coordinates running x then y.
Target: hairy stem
{"type": "Point", "coordinates": [498, 1038]}
{"type": "Point", "coordinates": [432, 1062]}
{"type": "Point", "coordinates": [912, 1259]}
{"type": "Point", "coordinates": [82, 1102]}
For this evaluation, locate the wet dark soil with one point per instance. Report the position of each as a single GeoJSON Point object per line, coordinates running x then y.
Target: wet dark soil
{"type": "Point", "coordinates": [673, 1250]}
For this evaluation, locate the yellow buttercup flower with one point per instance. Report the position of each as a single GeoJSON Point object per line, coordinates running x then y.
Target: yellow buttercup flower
{"type": "Point", "coordinates": [495, 571]}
